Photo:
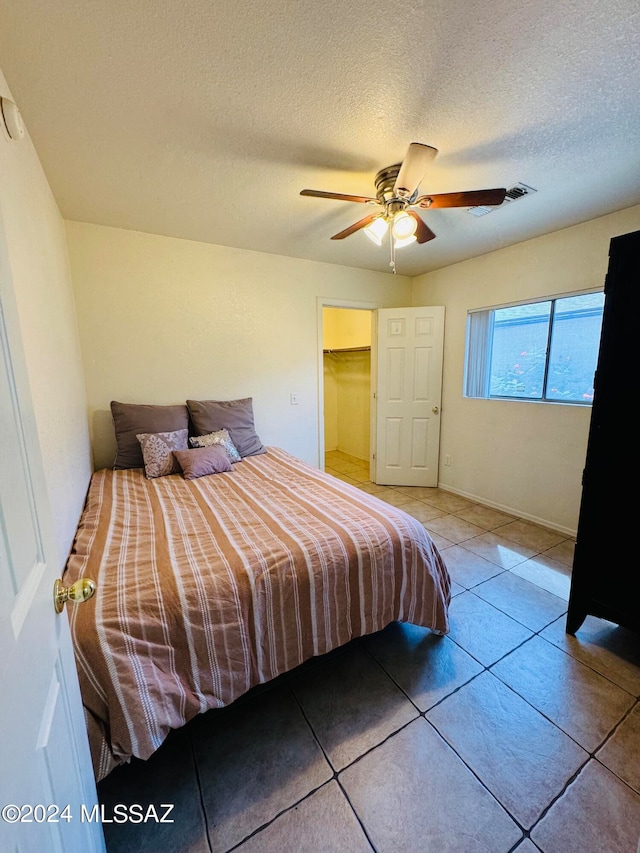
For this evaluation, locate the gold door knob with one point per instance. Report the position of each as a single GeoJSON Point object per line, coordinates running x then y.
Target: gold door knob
{"type": "Point", "coordinates": [80, 591]}
{"type": "Point", "coordinates": [435, 410]}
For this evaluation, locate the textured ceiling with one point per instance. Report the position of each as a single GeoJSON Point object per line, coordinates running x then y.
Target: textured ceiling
{"type": "Point", "coordinates": [205, 119]}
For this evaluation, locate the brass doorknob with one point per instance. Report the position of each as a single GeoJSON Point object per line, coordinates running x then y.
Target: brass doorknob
{"type": "Point", "coordinates": [435, 410]}
{"type": "Point", "coordinates": [80, 591]}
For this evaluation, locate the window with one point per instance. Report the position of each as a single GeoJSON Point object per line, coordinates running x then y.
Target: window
{"type": "Point", "coordinates": [544, 350]}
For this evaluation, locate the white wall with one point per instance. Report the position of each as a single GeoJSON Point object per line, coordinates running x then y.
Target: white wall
{"type": "Point", "coordinates": [524, 457]}
{"type": "Point", "coordinates": [39, 270]}
{"type": "Point", "coordinates": [162, 320]}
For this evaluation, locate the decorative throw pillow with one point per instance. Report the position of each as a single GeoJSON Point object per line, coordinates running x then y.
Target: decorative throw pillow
{"type": "Point", "coordinates": [202, 461]}
{"type": "Point", "coordinates": [132, 419]}
{"type": "Point", "coordinates": [157, 451]}
{"type": "Point", "coordinates": [221, 438]}
{"type": "Point", "coordinates": [234, 415]}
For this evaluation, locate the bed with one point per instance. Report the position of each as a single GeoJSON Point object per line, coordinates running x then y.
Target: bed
{"type": "Point", "coordinates": [207, 587]}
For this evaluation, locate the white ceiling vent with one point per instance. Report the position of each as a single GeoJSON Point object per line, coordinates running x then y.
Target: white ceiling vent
{"type": "Point", "coordinates": [513, 194]}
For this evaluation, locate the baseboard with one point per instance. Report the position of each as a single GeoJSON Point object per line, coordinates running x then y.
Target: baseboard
{"type": "Point", "coordinates": [569, 532]}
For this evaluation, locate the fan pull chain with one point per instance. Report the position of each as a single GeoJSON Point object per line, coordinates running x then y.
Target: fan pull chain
{"type": "Point", "coordinates": [392, 246]}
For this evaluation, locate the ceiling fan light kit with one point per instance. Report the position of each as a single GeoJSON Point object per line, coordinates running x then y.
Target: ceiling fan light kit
{"type": "Point", "coordinates": [406, 241]}
{"type": "Point", "coordinates": [403, 225]}
{"type": "Point", "coordinates": [376, 230]}
{"type": "Point", "coordinates": [396, 192]}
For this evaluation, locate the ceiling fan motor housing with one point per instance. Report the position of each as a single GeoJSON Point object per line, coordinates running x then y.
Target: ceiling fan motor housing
{"type": "Point", "coordinates": [385, 181]}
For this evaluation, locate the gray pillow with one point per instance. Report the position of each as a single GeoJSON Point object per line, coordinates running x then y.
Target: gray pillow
{"type": "Point", "coordinates": [202, 461]}
{"type": "Point", "coordinates": [132, 419]}
{"type": "Point", "coordinates": [236, 416]}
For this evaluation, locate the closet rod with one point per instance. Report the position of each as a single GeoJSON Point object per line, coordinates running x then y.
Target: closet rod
{"type": "Point", "coordinates": [348, 349]}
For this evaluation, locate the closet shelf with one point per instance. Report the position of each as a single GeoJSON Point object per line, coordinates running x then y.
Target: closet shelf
{"type": "Point", "coordinates": [348, 349]}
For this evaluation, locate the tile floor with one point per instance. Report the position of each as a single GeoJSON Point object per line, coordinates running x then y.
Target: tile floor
{"type": "Point", "coordinates": [505, 735]}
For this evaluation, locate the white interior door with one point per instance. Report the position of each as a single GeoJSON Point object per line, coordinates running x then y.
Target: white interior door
{"type": "Point", "coordinates": [45, 765]}
{"type": "Point", "coordinates": [409, 350]}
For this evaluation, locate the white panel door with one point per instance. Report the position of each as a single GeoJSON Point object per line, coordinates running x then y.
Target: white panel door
{"type": "Point", "coordinates": [408, 395]}
{"type": "Point", "coordinates": [45, 765]}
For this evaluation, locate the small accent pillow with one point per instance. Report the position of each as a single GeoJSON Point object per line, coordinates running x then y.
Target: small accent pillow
{"type": "Point", "coordinates": [157, 451]}
{"type": "Point", "coordinates": [220, 437]}
{"type": "Point", "coordinates": [202, 461]}
{"type": "Point", "coordinates": [234, 415]}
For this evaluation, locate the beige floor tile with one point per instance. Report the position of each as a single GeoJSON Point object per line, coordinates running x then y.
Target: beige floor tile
{"type": "Point", "coordinates": [621, 753]}
{"type": "Point", "coordinates": [372, 488]}
{"type": "Point", "coordinates": [482, 631]}
{"type": "Point", "coordinates": [418, 493]}
{"type": "Point", "coordinates": [346, 467]}
{"type": "Point", "coordinates": [530, 535]}
{"type": "Point", "coordinates": [173, 778]}
{"type": "Point", "coordinates": [363, 463]}
{"type": "Point", "coordinates": [484, 516]}
{"type": "Point", "coordinates": [410, 791]}
{"type": "Point", "coordinates": [577, 699]}
{"type": "Point", "coordinates": [323, 822]}
{"type": "Point", "coordinates": [525, 602]}
{"type": "Point", "coordinates": [563, 552]}
{"type": "Point", "coordinates": [344, 477]}
{"type": "Point", "coordinates": [612, 651]}
{"type": "Point", "coordinates": [425, 666]}
{"type": "Point", "coordinates": [456, 589]}
{"type": "Point", "coordinates": [546, 573]}
{"type": "Point", "coordinates": [255, 759]}
{"type": "Point", "coordinates": [496, 549]}
{"type": "Point", "coordinates": [351, 704]}
{"type": "Point", "coordinates": [447, 501]}
{"type": "Point", "coordinates": [341, 456]}
{"type": "Point", "coordinates": [421, 510]}
{"type": "Point", "coordinates": [441, 542]}
{"type": "Point", "coordinates": [395, 498]}
{"type": "Point", "coordinates": [360, 475]}
{"type": "Point", "coordinates": [527, 846]}
{"type": "Point", "coordinates": [468, 569]}
{"type": "Point", "coordinates": [453, 528]}
{"type": "Point", "coordinates": [519, 755]}
{"type": "Point", "coordinates": [596, 814]}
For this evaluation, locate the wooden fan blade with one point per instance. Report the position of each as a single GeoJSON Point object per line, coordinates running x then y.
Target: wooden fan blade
{"type": "Point", "coordinates": [473, 198]}
{"type": "Point", "coordinates": [413, 169]}
{"type": "Point", "coordinates": [339, 196]}
{"type": "Point", "coordinates": [362, 223]}
{"type": "Point", "coordinates": [423, 232]}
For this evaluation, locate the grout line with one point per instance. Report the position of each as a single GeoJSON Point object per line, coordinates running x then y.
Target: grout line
{"type": "Point", "coordinates": [201, 795]}
{"type": "Point", "coordinates": [356, 815]}
{"type": "Point", "coordinates": [478, 778]}
{"type": "Point", "coordinates": [267, 823]}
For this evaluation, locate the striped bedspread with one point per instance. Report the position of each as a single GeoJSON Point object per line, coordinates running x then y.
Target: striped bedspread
{"type": "Point", "coordinates": [207, 587]}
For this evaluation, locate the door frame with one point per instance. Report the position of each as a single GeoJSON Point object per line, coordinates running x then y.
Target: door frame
{"type": "Point", "coordinates": [328, 302]}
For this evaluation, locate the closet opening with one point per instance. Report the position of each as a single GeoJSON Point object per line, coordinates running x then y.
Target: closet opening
{"type": "Point", "coordinates": [347, 397]}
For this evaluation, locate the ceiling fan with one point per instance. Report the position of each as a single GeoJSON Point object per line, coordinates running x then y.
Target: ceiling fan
{"type": "Point", "coordinates": [397, 192]}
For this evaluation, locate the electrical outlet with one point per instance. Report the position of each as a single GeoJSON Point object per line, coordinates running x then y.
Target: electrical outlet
{"type": "Point", "coordinates": [447, 460]}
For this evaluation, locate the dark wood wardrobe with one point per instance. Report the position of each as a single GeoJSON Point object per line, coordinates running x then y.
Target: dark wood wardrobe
{"type": "Point", "coordinates": [606, 566]}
